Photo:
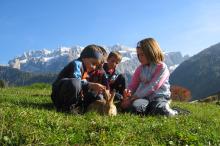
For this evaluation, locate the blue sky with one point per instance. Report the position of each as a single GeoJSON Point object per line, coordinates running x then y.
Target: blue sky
{"type": "Point", "coordinates": [188, 26]}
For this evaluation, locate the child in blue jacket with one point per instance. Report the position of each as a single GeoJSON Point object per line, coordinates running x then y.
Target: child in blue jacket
{"type": "Point", "coordinates": [71, 84]}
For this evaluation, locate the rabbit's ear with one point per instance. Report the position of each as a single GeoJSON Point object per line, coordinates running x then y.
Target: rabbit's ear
{"type": "Point", "coordinates": [111, 100]}
{"type": "Point", "coordinates": [107, 95]}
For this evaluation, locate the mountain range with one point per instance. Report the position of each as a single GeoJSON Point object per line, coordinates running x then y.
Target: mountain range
{"type": "Point", "coordinates": [46, 61]}
{"type": "Point", "coordinates": [200, 73]}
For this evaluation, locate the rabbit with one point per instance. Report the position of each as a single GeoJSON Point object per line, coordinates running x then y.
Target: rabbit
{"type": "Point", "coordinates": [105, 106]}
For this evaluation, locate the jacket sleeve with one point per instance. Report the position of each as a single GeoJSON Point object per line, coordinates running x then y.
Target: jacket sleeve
{"type": "Point", "coordinates": [78, 74]}
{"type": "Point", "coordinates": [77, 70]}
{"type": "Point", "coordinates": [159, 77]}
{"type": "Point", "coordinates": [135, 80]}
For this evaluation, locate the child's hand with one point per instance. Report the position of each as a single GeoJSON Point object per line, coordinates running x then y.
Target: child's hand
{"type": "Point", "coordinates": [127, 93]}
{"type": "Point", "coordinates": [127, 101]}
{"type": "Point", "coordinates": [97, 87]}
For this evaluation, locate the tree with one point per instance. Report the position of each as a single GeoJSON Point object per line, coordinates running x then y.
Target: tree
{"type": "Point", "coordinates": [2, 84]}
{"type": "Point", "coordinates": [179, 93]}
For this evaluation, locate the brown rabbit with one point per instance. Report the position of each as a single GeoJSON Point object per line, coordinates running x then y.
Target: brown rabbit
{"type": "Point", "coordinates": [104, 107]}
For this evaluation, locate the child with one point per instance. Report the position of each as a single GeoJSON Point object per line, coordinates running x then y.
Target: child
{"type": "Point", "coordinates": [149, 88]}
{"type": "Point", "coordinates": [71, 82]}
{"type": "Point", "coordinates": [98, 76]}
{"type": "Point", "coordinates": [116, 81]}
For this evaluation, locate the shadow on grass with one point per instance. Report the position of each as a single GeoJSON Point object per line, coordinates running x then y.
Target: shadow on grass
{"type": "Point", "coordinates": [47, 106]}
{"type": "Point", "coordinates": [43, 106]}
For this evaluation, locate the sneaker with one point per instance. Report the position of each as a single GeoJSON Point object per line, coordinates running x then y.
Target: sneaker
{"type": "Point", "coordinates": [181, 111]}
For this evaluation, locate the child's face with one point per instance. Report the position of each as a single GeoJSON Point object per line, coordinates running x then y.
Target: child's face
{"type": "Point", "coordinates": [112, 62]}
{"type": "Point", "coordinates": [142, 58]}
{"type": "Point", "coordinates": [91, 64]}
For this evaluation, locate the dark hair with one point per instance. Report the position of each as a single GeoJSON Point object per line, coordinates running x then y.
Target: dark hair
{"type": "Point", "coordinates": [105, 54]}
{"type": "Point", "coordinates": [92, 51]}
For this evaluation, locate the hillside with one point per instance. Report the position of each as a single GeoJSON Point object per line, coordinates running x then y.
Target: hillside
{"type": "Point", "coordinates": [28, 117]}
{"type": "Point", "coordinates": [200, 73]}
{"type": "Point", "coordinates": [15, 77]}
{"type": "Point", "coordinates": [215, 98]}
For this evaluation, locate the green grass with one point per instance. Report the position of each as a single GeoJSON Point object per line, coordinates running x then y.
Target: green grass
{"type": "Point", "coordinates": [27, 117]}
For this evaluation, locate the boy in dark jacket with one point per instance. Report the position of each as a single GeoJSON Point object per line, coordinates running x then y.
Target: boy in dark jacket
{"type": "Point", "coordinates": [71, 83]}
{"type": "Point", "coordinates": [115, 79]}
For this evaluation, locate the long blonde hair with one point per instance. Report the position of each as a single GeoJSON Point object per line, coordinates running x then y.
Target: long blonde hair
{"type": "Point", "coordinates": [151, 50]}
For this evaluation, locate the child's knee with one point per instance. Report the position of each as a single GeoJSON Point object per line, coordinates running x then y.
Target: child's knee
{"type": "Point", "coordinates": [140, 105]}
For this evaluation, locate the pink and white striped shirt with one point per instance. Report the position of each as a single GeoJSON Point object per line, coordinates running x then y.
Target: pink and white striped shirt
{"type": "Point", "coordinates": [150, 81]}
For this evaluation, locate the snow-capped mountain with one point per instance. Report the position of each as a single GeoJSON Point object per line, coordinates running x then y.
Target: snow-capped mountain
{"type": "Point", "coordinates": [43, 61]}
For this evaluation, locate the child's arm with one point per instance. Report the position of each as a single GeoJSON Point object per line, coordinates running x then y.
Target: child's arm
{"type": "Point", "coordinates": [135, 80]}
{"type": "Point", "coordinates": [76, 73]}
{"type": "Point", "coordinates": [96, 87]}
{"type": "Point", "coordinates": [128, 98]}
{"type": "Point", "coordinates": [127, 101]}
{"type": "Point", "coordinates": [159, 77]}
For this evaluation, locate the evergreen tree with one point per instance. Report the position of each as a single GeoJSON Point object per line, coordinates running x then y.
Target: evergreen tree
{"type": "Point", "coordinates": [2, 84]}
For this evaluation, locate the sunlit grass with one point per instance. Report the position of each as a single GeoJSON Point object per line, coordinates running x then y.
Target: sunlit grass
{"type": "Point", "coordinates": [27, 116]}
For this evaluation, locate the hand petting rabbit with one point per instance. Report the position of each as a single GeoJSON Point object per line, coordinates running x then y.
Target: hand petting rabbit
{"type": "Point", "coordinates": [104, 107]}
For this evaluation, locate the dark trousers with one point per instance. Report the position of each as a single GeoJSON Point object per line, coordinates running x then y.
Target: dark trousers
{"type": "Point", "coordinates": [65, 93]}
{"type": "Point", "coordinates": [68, 92]}
{"type": "Point", "coordinates": [157, 106]}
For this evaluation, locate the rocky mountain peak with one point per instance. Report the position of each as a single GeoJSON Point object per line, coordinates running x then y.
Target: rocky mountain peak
{"type": "Point", "coordinates": [46, 60]}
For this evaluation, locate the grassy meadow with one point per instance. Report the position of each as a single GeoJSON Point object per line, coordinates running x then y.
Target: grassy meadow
{"type": "Point", "coordinates": [27, 117]}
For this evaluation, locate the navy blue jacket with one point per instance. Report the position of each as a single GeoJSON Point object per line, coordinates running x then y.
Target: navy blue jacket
{"type": "Point", "coordinates": [74, 69]}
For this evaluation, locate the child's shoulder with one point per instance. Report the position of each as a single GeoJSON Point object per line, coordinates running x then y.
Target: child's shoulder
{"type": "Point", "coordinates": [162, 66]}
{"type": "Point", "coordinates": [75, 65]}
{"type": "Point", "coordinates": [153, 66]}
{"type": "Point", "coordinates": [77, 62]}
